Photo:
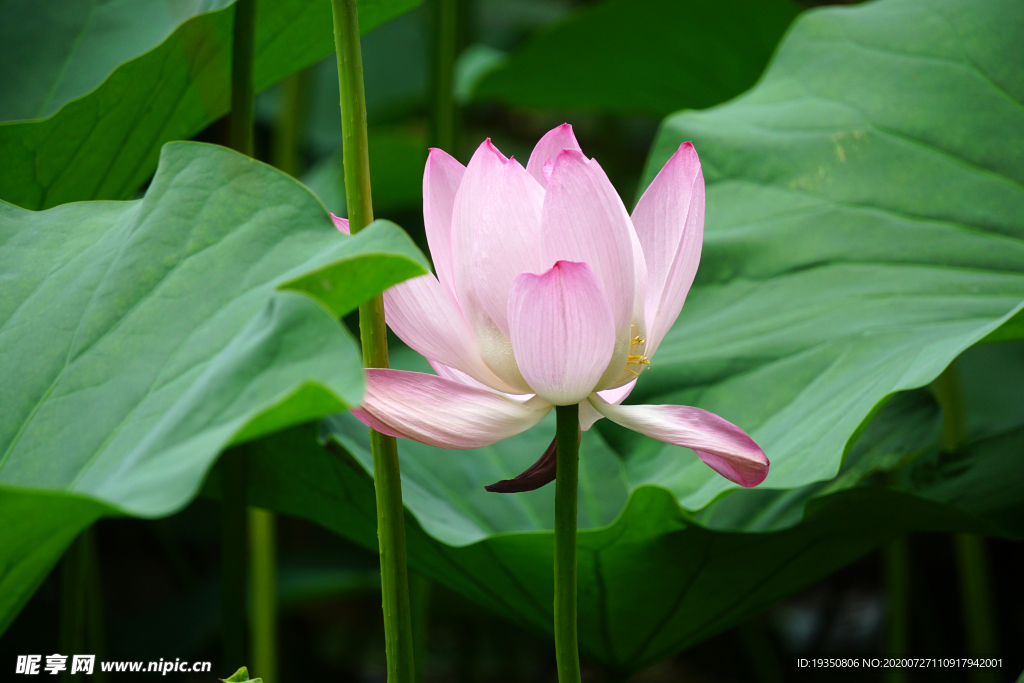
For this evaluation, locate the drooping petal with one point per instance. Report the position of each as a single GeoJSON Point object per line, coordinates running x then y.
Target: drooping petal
{"type": "Point", "coordinates": [442, 413]}
{"type": "Point", "coordinates": [341, 224]}
{"type": "Point", "coordinates": [426, 318]}
{"type": "Point", "coordinates": [441, 179]}
{"type": "Point", "coordinates": [561, 331]}
{"type": "Point", "coordinates": [495, 237]}
{"type": "Point", "coordinates": [547, 148]}
{"type": "Point", "coordinates": [669, 221]}
{"type": "Point", "coordinates": [589, 415]}
{"type": "Point", "coordinates": [723, 446]}
{"type": "Point", "coordinates": [540, 473]}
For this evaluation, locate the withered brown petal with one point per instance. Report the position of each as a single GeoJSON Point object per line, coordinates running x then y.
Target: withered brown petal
{"type": "Point", "coordinates": [536, 475]}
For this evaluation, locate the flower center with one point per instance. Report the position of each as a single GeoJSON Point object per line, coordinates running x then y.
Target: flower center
{"type": "Point", "coordinates": [636, 359]}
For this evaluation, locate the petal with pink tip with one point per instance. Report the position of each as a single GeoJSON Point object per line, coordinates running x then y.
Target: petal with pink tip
{"type": "Point", "coordinates": [547, 148]}
{"type": "Point", "coordinates": [495, 237]}
{"type": "Point", "coordinates": [722, 446]}
{"type": "Point", "coordinates": [424, 316]}
{"type": "Point", "coordinates": [441, 179]}
{"type": "Point", "coordinates": [495, 234]}
{"type": "Point", "coordinates": [561, 331]}
{"type": "Point", "coordinates": [442, 413]}
{"type": "Point", "coordinates": [583, 220]}
{"type": "Point", "coordinates": [669, 221]}
{"type": "Point", "coordinates": [341, 224]}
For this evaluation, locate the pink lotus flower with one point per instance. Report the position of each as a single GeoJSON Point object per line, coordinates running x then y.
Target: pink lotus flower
{"type": "Point", "coordinates": [547, 293]}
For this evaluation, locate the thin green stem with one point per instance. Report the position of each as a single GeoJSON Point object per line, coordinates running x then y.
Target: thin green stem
{"type": "Point", "coordinates": [421, 591]}
{"type": "Point", "coordinates": [81, 602]}
{"type": "Point", "coordinates": [355, 148]}
{"type": "Point", "coordinates": [896, 562]}
{"type": "Point", "coordinates": [946, 388]}
{"type": "Point", "coordinates": [373, 334]}
{"type": "Point", "coordinates": [763, 657]}
{"type": "Point", "coordinates": [971, 556]}
{"type": "Point", "coordinates": [443, 116]}
{"type": "Point", "coordinates": [234, 554]}
{"type": "Point", "coordinates": [263, 593]}
{"type": "Point", "coordinates": [234, 540]}
{"type": "Point", "coordinates": [242, 94]}
{"type": "Point", "coordinates": [977, 604]}
{"type": "Point", "coordinates": [566, 487]}
{"type": "Point", "coordinates": [262, 535]}
{"type": "Point", "coordinates": [288, 128]}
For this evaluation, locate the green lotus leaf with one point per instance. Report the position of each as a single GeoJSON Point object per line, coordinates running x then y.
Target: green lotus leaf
{"type": "Point", "coordinates": [628, 57]}
{"type": "Point", "coordinates": [865, 225]}
{"type": "Point", "coordinates": [139, 339]}
{"type": "Point", "coordinates": [91, 91]}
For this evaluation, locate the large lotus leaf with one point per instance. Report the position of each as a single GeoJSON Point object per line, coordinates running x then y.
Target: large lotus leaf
{"type": "Point", "coordinates": [139, 339]}
{"type": "Point", "coordinates": [650, 57]}
{"type": "Point", "coordinates": [91, 90]}
{"type": "Point", "coordinates": [653, 578]}
{"type": "Point", "coordinates": [903, 439]}
{"type": "Point", "coordinates": [865, 224]}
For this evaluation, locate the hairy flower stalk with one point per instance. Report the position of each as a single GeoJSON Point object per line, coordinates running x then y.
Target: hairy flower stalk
{"type": "Point", "coordinates": [394, 577]}
{"type": "Point", "coordinates": [548, 293]}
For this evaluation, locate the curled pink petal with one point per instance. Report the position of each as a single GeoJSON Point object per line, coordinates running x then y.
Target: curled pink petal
{"type": "Point", "coordinates": [722, 446]}
{"type": "Point", "coordinates": [547, 148]}
{"type": "Point", "coordinates": [561, 331]}
{"type": "Point", "coordinates": [546, 170]}
{"type": "Point", "coordinates": [426, 318]}
{"type": "Point", "coordinates": [441, 179]}
{"type": "Point", "coordinates": [442, 413]}
{"type": "Point", "coordinates": [669, 222]}
{"type": "Point", "coordinates": [341, 224]}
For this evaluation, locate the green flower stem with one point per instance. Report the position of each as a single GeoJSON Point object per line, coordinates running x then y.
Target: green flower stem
{"type": "Point", "coordinates": [971, 556]}
{"type": "Point", "coordinates": [443, 74]}
{"type": "Point", "coordinates": [81, 603]}
{"type": "Point", "coordinates": [761, 652]}
{"type": "Point", "coordinates": [262, 523]}
{"type": "Point", "coordinates": [234, 540]}
{"type": "Point", "coordinates": [566, 487]}
{"type": "Point", "coordinates": [977, 605]}
{"type": "Point", "coordinates": [240, 135]}
{"type": "Point", "coordinates": [946, 389]}
{"type": "Point", "coordinates": [896, 568]}
{"type": "Point", "coordinates": [288, 129]}
{"type": "Point", "coordinates": [387, 482]}
{"type": "Point", "coordinates": [263, 593]}
{"type": "Point", "coordinates": [421, 591]}
{"type": "Point", "coordinates": [234, 556]}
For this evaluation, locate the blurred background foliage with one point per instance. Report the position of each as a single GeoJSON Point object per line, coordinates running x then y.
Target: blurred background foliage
{"type": "Point", "coordinates": [831, 295]}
